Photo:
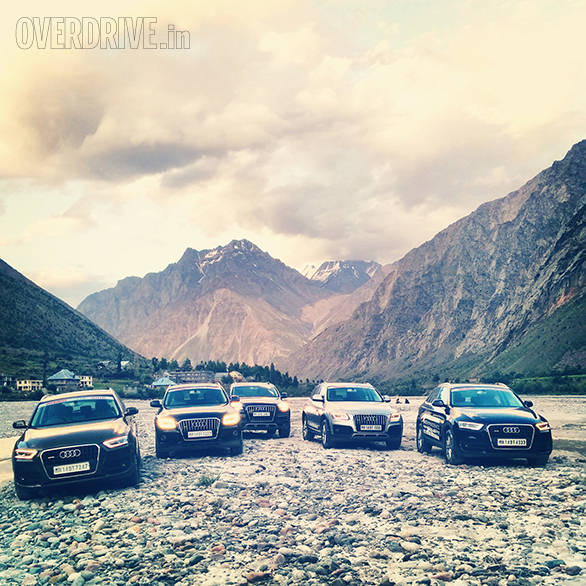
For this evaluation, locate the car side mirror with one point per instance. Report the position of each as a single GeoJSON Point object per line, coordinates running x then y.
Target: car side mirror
{"type": "Point", "coordinates": [528, 403]}
{"type": "Point", "coordinates": [156, 403]}
{"type": "Point", "coordinates": [130, 411]}
{"type": "Point", "coordinates": [318, 399]}
{"type": "Point", "coordinates": [438, 403]}
{"type": "Point", "coordinates": [234, 399]}
{"type": "Point", "coordinates": [386, 399]}
{"type": "Point", "coordinates": [20, 424]}
{"type": "Point", "coordinates": [283, 395]}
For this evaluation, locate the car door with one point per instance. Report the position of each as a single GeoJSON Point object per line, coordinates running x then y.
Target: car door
{"type": "Point", "coordinates": [317, 407]}
{"type": "Point", "coordinates": [431, 419]}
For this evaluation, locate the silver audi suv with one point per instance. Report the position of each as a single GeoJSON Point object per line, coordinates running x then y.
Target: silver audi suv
{"type": "Point", "coordinates": [351, 412]}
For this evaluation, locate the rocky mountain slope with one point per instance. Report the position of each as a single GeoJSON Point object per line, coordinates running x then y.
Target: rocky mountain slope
{"type": "Point", "coordinates": [342, 276]}
{"type": "Point", "coordinates": [475, 291]}
{"type": "Point", "coordinates": [233, 302]}
{"type": "Point", "coordinates": [36, 326]}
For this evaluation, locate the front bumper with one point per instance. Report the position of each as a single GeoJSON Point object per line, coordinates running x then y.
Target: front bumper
{"type": "Point", "coordinates": [112, 464]}
{"type": "Point", "coordinates": [479, 444]}
{"type": "Point", "coordinates": [348, 432]}
{"type": "Point", "coordinates": [279, 420]}
{"type": "Point", "coordinates": [173, 441]}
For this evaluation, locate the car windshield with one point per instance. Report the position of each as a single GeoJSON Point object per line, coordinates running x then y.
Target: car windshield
{"type": "Point", "coordinates": [195, 397]}
{"type": "Point", "coordinates": [254, 391]}
{"type": "Point", "coordinates": [75, 410]}
{"type": "Point", "coordinates": [479, 398]}
{"type": "Point", "coordinates": [365, 394]}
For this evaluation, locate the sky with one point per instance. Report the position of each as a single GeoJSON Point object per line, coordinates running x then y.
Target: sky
{"type": "Point", "coordinates": [316, 129]}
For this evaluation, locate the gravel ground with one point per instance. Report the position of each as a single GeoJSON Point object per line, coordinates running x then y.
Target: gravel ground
{"type": "Point", "coordinates": [289, 512]}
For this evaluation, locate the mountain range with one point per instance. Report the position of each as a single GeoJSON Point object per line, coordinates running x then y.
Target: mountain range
{"type": "Point", "coordinates": [38, 328]}
{"type": "Point", "coordinates": [499, 290]}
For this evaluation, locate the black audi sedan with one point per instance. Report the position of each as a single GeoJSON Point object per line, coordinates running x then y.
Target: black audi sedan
{"type": "Point", "coordinates": [482, 421]}
{"type": "Point", "coordinates": [195, 417]}
{"type": "Point", "coordinates": [263, 407]}
{"type": "Point", "coordinates": [77, 437]}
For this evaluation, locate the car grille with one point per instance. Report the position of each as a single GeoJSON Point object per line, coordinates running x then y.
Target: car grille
{"type": "Point", "coordinates": [361, 420]}
{"type": "Point", "coordinates": [71, 455]}
{"type": "Point", "coordinates": [252, 410]}
{"type": "Point", "coordinates": [199, 424]}
{"type": "Point", "coordinates": [511, 431]}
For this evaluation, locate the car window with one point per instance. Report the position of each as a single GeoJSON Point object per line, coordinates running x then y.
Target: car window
{"type": "Point", "coordinates": [255, 391]}
{"type": "Point", "coordinates": [433, 395]}
{"type": "Point", "coordinates": [480, 397]}
{"type": "Point", "coordinates": [198, 397]}
{"type": "Point", "coordinates": [75, 410]}
{"type": "Point", "coordinates": [350, 393]}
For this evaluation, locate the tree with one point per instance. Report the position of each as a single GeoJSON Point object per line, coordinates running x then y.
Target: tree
{"type": "Point", "coordinates": [186, 366]}
{"type": "Point", "coordinates": [163, 364]}
{"type": "Point", "coordinates": [173, 365]}
{"type": "Point", "coordinates": [155, 363]}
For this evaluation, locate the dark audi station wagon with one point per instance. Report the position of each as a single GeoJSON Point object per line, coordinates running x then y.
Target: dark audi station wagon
{"type": "Point", "coordinates": [482, 421]}
{"type": "Point", "coordinates": [73, 438]}
{"type": "Point", "coordinates": [197, 417]}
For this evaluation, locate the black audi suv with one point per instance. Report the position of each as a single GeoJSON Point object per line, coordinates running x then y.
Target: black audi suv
{"type": "Point", "coordinates": [351, 412]}
{"type": "Point", "coordinates": [482, 421]}
{"type": "Point", "coordinates": [263, 407]}
{"type": "Point", "coordinates": [77, 437]}
{"type": "Point", "coordinates": [195, 417]}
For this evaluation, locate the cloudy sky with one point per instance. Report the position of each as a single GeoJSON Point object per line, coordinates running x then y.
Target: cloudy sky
{"type": "Point", "coordinates": [316, 129]}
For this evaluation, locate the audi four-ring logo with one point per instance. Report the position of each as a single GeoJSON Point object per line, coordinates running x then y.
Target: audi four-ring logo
{"type": "Point", "coordinates": [511, 430]}
{"type": "Point", "coordinates": [63, 454]}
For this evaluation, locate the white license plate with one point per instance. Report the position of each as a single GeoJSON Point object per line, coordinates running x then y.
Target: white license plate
{"type": "Point", "coordinates": [68, 468]}
{"type": "Point", "coordinates": [262, 414]}
{"type": "Point", "coordinates": [200, 433]}
{"type": "Point", "coordinates": [371, 427]}
{"type": "Point", "coordinates": [511, 442]}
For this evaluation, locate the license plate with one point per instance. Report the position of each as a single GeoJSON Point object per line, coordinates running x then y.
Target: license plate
{"type": "Point", "coordinates": [261, 414]}
{"type": "Point", "coordinates": [68, 468]}
{"type": "Point", "coordinates": [200, 433]}
{"type": "Point", "coordinates": [511, 442]}
{"type": "Point", "coordinates": [370, 427]}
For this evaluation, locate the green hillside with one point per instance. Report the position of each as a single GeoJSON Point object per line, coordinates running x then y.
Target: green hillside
{"type": "Point", "coordinates": [39, 331]}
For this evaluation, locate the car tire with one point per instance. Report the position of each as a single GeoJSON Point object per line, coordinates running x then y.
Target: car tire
{"type": "Point", "coordinates": [327, 441]}
{"type": "Point", "coordinates": [538, 461]}
{"type": "Point", "coordinates": [133, 478]}
{"type": "Point", "coordinates": [285, 431]}
{"type": "Point", "coordinates": [394, 443]}
{"type": "Point", "coordinates": [237, 450]}
{"type": "Point", "coordinates": [308, 435]}
{"type": "Point", "coordinates": [423, 445]}
{"type": "Point", "coordinates": [24, 494]}
{"type": "Point", "coordinates": [451, 451]}
{"type": "Point", "coordinates": [160, 451]}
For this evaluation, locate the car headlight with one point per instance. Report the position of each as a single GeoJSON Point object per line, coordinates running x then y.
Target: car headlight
{"type": "Point", "coordinates": [231, 419]}
{"type": "Point", "coordinates": [283, 406]}
{"type": "Point", "coordinates": [470, 425]}
{"type": "Point", "coordinates": [166, 422]}
{"type": "Point", "coordinates": [24, 453]}
{"type": "Point", "coordinates": [394, 418]}
{"type": "Point", "coordinates": [543, 426]}
{"type": "Point", "coordinates": [340, 416]}
{"type": "Point", "coordinates": [116, 442]}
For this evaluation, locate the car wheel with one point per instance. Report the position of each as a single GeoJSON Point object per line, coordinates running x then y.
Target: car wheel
{"type": "Point", "coordinates": [160, 451]}
{"type": "Point", "coordinates": [394, 443]}
{"type": "Point", "coordinates": [285, 431]}
{"type": "Point", "coordinates": [538, 461]}
{"type": "Point", "coordinates": [133, 478]}
{"type": "Point", "coordinates": [308, 435]}
{"type": "Point", "coordinates": [23, 493]}
{"type": "Point", "coordinates": [423, 446]}
{"type": "Point", "coordinates": [271, 432]}
{"type": "Point", "coordinates": [237, 450]}
{"type": "Point", "coordinates": [327, 441]}
{"type": "Point", "coordinates": [451, 452]}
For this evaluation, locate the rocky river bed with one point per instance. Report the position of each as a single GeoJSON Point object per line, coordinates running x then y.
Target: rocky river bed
{"type": "Point", "coordinates": [290, 512]}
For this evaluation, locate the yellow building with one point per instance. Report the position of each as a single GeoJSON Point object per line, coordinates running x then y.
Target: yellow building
{"type": "Point", "coordinates": [86, 381]}
{"type": "Point", "coordinates": [29, 385]}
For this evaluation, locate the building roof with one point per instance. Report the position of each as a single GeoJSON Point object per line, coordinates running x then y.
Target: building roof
{"type": "Point", "coordinates": [164, 381]}
{"type": "Point", "coordinates": [63, 374]}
